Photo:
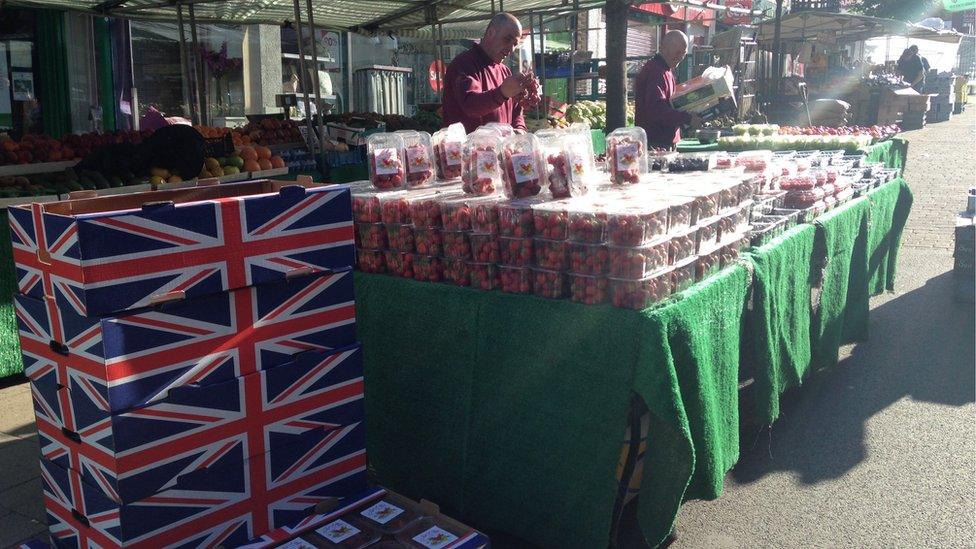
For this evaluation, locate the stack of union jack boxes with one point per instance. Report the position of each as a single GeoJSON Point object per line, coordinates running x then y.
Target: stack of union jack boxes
{"type": "Point", "coordinates": [193, 362]}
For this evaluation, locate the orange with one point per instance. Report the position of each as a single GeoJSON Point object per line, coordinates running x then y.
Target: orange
{"type": "Point", "coordinates": [248, 153]}
{"type": "Point", "coordinates": [277, 162]}
{"type": "Point", "coordinates": [264, 163]}
{"type": "Point", "coordinates": [251, 166]}
{"type": "Point", "coordinates": [263, 152]}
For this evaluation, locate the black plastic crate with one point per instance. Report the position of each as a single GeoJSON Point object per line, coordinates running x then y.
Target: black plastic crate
{"type": "Point", "coordinates": [216, 147]}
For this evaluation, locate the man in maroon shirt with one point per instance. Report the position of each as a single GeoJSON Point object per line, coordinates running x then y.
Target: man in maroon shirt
{"type": "Point", "coordinates": [478, 87]}
{"type": "Point", "coordinates": [654, 88]}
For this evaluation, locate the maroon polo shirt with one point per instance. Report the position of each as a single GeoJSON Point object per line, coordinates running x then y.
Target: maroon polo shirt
{"type": "Point", "coordinates": [653, 111]}
{"type": "Point", "coordinates": [473, 95]}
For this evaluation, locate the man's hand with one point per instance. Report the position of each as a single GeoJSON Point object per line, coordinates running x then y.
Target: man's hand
{"type": "Point", "coordinates": [512, 86]}
{"type": "Point", "coordinates": [696, 121]}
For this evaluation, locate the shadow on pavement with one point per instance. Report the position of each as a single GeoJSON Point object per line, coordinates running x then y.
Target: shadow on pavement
{"type": "Point", "coordinates": [920, 347]}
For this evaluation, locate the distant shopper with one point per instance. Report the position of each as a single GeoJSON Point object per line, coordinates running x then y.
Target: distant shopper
{"type": "Point", "coordinates": [478, 87]}
{"type": "Point", "coordinates": [654, 88]}
{"type": "Point", "coordinates": [912, 68]}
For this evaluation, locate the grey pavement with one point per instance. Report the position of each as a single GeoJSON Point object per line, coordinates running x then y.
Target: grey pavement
{"type": "Point", "coordinates": [876, 452]}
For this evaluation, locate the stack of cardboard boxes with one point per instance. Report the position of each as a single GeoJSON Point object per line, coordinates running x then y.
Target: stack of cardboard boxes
{"type": "Point", "coordinates": [193, 362]}
{"type": "Point", "coordinates": [939, 87]}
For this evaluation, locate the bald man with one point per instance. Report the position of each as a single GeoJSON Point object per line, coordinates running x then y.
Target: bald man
{"type": "Point", "coordinates": [654, 88]}
{"type": "Point", "coordinates": [478, 87]}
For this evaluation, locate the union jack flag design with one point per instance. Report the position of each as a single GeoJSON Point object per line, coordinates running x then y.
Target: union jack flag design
{"type": "Point", "coordinates": [300, 410]}
{"type": "Point", "coordinates": [225, 506]}
{"type": "Point", "coordinates": [110, 261]}
{"type": "Point", "coordinates": [96, 366]}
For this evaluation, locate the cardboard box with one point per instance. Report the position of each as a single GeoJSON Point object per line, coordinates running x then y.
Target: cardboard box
{"type": "Point", "coordinates": [351, 135]}
{"type": "Point", "coordinates": [198, 429]}
{"type": "Point", "coordinates": [137, 358]}
{"type": "Point", "coordinates": [458, 535]}
{"type": "Point", "coordinates": [223, 506]}
{"type": "Point", "coordinates": [124, 252]}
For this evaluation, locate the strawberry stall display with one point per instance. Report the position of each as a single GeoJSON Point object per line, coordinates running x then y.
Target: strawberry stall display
{"type": "Point", "coordinates": [589, 259]}
{"type": "Point", "coordinates": [636, 225]}
{"type": "Point", "coordinates": [427, 268]}
{"type": "Point", "coordinates": [754, 161]}
{"type": "Point", "coordinates": [503, 130]}
{"type": "Point", "coordinates": [683, 275]}
{"type": "Point", "coordinates": [640, 294]}
{"type": "Point", "coordinates": [588, 223]}
{"type": "Point", "coordinates": [457, 244]}
{"type": "Point", "coordinates": [457, 272]}
{"type": "Point", "coordinates": [428, 241]}
{"type": "Point", "coordinates": [626, 155]}
{"type": "Point", "coordinates": [549, 283]}
{"type": "Point", "coordinates": [371, 261]}
{"type": "Point", "coordinates": [484, 276]}
{"type": "Point", "coordinates": [551, 220]}
{"type": "Point", "coordinates": [386, 160]}
{"type": "Point", "coordinates": [401, 237]}
{"type": "Point", "coordinates": [481, 174]}
{"type": "Point", "coordinates": [456, 213]}
{"type": "Point", "coordinates": [588, 290]}
{"type": "Point", "coordinates": [516, 252]}
{"type": "Point", "coordinates": [371, 236]}
{"type": "Point", "coordinates": [523, 167]}
{"type": "Point", "coordinates": [569, 162]}
{"type": "Point", "coordinates": [516, 219]}
{"type": "Point", "coordinates": [515, 280]}
{"type": "Point", "coordinates": [419, 155]}
{"type": "Point", "coordinates": [691, 162]}
{"type": "Point", "coordinates": [425, 208]}
{"type": "Point", "coordinates": [551, 254]}
{"type": "Point", "coordinates": [484, 215]}
{"type": "Point", "coordinates": [448, 146]}
{"type": "Point", "coordinates": [635, 263]}
{"type": "Point", "coordinates": [485, 248]}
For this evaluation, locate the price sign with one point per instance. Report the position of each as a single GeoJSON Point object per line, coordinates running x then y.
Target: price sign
{"type": "Point", "coordinates": [437, 67]}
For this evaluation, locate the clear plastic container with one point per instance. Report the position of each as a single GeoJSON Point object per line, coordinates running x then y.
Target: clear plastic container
{"type": "Point", "coordinates": [366, 206]}
{"type": "Point", "coordinates": [683, 275]}
{"type": "Point", "coordinates": [723, 161]}
{"type": "Point", "coordinates": [456, 213]}
{"type": "Point", "coordinates": [485, 248]}
{"type": "Point", "coordinates": [735, 220]}
{"type": "Point", "coordinates": [425, 208]}
{"type": "Point", "coordinates": [517, 252]}
{"type": "Point", "coordinates": [399, 263]}
{"type": "Point", "coordinates": [588, 223]}
{"type": "Point", "coordinates": [419, 155]}
{"type": "Point", "coordinates": [515, 280]}
{"type": "Point", "coordinates": [481, 174]}
{"type": "Point", "coordinates": [503, 130]}
{"type": "Point", "coordinates": [658, 159]}
{"type": "Point", "coordinates": [709, 232]}
{"type": "Point", "coordinates": [456, 272]}
{"type": "Point", "coordinates": [800, 199]}
{"type": "Point", "coordinates": [395, 208]}
{"type": "Point", "coordinates": [641, 294]}
{"type": "Point", "coordinates": [683, 245]}
{"type": "Point", "coordinates": [551, 254]}
{"type": "Point", "coordinates": [745, 189]}
{"type": "Point", "coordinates": [680, 210]}
{"type": "Point", "coordinates": [638, 262]}
{"type": "Point", "coordinates": [401, 237]}
{"type": "Point", "coordinates": [708, 264]}
{"type": "Point", "coordinates": [589, 290]}
{"type": "Point", "coordinates": [386, 160]}
{"type": "Point", "coordinates": [589, 259]}
{"type": "Point", "coordinates": [569, 160]}
{"type": "Point", "coordinates": [754, 161]}
{"type": "Point", "coordinates": [371, 236]}
{"type": "Point", "coordinates": [515, 218]}
{"type": "Point", "coordinates": [428, 268]}
{"type": "Point", "coordinates": [690, 162]}
{"type": "Point", "coordinates": [523, 166]}
{"type": "Point", "coordinates": [370, 261]}
{"type": "Point", "coordinates": [457, 244]}
{"type": "Point", "coordinates": [708, 201]}
{"type": "Point", "coordinates": [428, 241]}
{"type": "Point", "coordinates": [636, 225]}
{"type": "Point", "coordinates": [548, 283]}
{"type": "Point", "coordinates": [448, 146]}
{"type": "Point", "coordinates": [484, 276]}
{"type": "Point", "coordinates": [551, 220]}
{"type": "Point", "coordinates": [627, 155]}
{"type": "Point", "coordinates": [346, 532]}
{"type": "Point", "coordinates": [484, 215]}
{"type": "Point", "coordinates": [731, 250]}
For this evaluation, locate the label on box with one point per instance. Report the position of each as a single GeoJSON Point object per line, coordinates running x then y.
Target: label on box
{"type": "Point", "coordinates": [337, 531]}
{"type": "Point", "coordinates": [417, 159]}
{"type": "Point", "coordinates": [626, 156]}
{"type": "Point", "coordinates": [382, 512]}
{"type": "Point", "coordinates": [297, 543]}
{"type": "Point", "coordinates": [387, 161]}
{"type": "Point", "coordinates": [524, 167]}
{"type": "Point", "coordinates": [487, 166]}
{"type": "Point", "coordinates": [435, 538]}
{"type": "Point", "coordinates": [453, 152]}
{"type": "Point", "coordinates": [577, 162]}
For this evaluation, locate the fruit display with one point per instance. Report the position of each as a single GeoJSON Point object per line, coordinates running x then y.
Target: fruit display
{"type": "Point", "coordinates": [399, 263]}
{"type": "Point", "coordinates": [515, 280]}
{"type": "Point", "coordinates": [594, 113]}
{"type": "Point", "coordinates": [385, 160]}
{"type": "Point", "coordinates": [427, 268]}
{"type": "Point", "coordinates": [371, 236]}
{"type": "Point", "coordinates": [484, 215]}
{"type": "Point", "coordinates": [523, 166]}
{"type": "Point", "coordinates": [551, 254]}
{"type": "Point", "coordinates": [588, 290]}
{"type": "Point", "coordinates": [683, 275]}
{"type": "Point", "coordinates": [448, 146]}
{"type": "Point", "coordinates": [485, 248]}
{"type": "Point", "coordinates": [683, 245]}
{"type": "Point", "coordinates": [371, 261]}
{"type": "Point", "coordinates": [457, 272]}
{"type": "Point", "coordinates": [635, 263]}
{"type": "Point", "coordinates": [640, 294]}
{"type": "Point", "coordinates": [626, 155]}
{"type": "Point", "coordinates": [517, 252]}
{"type": "Point", "coordinates": [428, 241]}
{"type": "Point", "coordinates": [516, 219]}
{"type": "Point", "coordinates": [457, 244]}
{"type": "Point", "coordinates": [755, 129]}
{"type": "Point", "coordinates": [636, 225]}
{"type": "Point", "coordinates": [480, 174]}
{"type": "Point", "coordinates": [484, 276]}
{"type": "Point", "coordinates": [419, 156]}
{"type": "Point", "coordinates": [551, 220]}
{"type": "Point", "coordinates": [548, 283]}
{"type": "Point", "coordinates": [569, 162]}
{"type": "Point", "coordinates": [694, 162]}
{"type": "Point", "coordinates": [395, 208]}
{"type": "Point", "coordinates": [589, 259]}
{"type": "Point", "coordinates": [456, 213]}
{"type": "Point", "coordinates": [400, 237]}
{"type": "Point", "coordinates": [588, 224]}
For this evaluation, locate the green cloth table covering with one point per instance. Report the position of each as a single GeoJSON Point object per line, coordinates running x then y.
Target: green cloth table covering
{"type": "Point", "coordinates": [509, 410]}
{"type": "Point", "coordinates": [891, 152]}
{"type": "Point", "coordinates": [890, 205]}
{"type": "Point", "coordinates": [841, 246]}
{"type": "Point", "coordinates": [11, 361]}
{"type": "Point", "coordinates": [779, 334]}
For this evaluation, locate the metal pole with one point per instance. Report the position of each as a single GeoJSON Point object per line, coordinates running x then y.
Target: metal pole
{"type": "Point", "coordinates": [440, 33]}
{"type": "Point", "coordinates": [184, 71]}
{"type": "Point", "coordinates": [532, 54]}
{"type": "Point", "coordinates": [573, 24]}
{"type": "Point", "coordinates": [777, 59]}
{"type": "Point", "coordinates": [318, 91]}
{"type": "Point", "coordinates": [542, 63]}
{"type": "Point", "coordinates": [201, 95]}
{"type": "Point", "coordinates": [616, 64]}
{"type": "Point", "coordinates": [348, 77]}
{"type": "Point", "coordinates": [301, 68]}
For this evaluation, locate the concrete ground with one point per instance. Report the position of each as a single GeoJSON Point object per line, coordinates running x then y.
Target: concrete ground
{"type": "Point", "coordinates": [876, 452]}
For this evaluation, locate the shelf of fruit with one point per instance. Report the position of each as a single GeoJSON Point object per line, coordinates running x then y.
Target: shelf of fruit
{"type": "Point", "coordinates": [594, 113]}
{"type": "Point", "coordinates": [773, 137]}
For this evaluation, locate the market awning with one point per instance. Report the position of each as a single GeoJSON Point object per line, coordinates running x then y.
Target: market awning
{"type": "Point", "coordinates": [845, 27]}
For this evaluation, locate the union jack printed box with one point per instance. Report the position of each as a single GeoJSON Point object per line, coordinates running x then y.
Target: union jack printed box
{"type": "Point", "coordinates": [125, 252]}
{"type": "Point", "coordinates": [117, 363]}
{"type": "Point", "coordinates": [171, 443]}
{"type": "Point", "coordinates": [231, 503]}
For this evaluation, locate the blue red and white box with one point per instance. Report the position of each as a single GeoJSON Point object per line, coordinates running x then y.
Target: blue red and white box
{"type": "Point", "coordinates": [227, 505]}
{"type": "Point", "coordinates": [119, 253]}
{"type": "Point", "coordinates": [120, 362]}
{"type": "Point", "coordinates": [453, 534]}
{"type": "Point", "coordinates": [171, 443]}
